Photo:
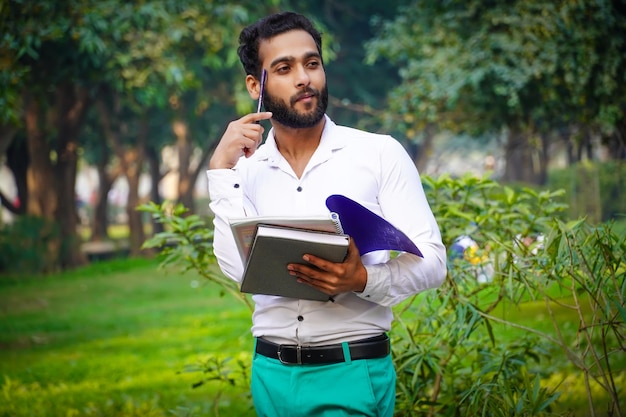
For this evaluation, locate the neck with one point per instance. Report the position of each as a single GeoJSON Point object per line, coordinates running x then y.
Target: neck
{"type": "Point", "coordinates": [295, 144]}
{"type": "Point", "coordinates": [298, 145]}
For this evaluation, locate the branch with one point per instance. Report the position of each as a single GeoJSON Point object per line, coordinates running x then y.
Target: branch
{"type": "Point", "coordinates": [358, 108]}
{"type": "Point", "coordinates": [570, 354]}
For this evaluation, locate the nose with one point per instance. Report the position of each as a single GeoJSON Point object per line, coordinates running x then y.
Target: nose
{"type": "Point", "coordinates": [302, 77]}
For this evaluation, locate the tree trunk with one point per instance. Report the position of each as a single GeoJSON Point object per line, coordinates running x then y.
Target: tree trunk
{"type": "Point", "coordinates": [106, 179]}
{"type": "Point", "coordinates": [185, 151]}
{"type": "Point", "coordinates": [544, 159]}
{"type": "Point", "coordinates": [426, 147]}
{"type": "Point", "coordinates": [135, 225]}
{"type": "Point", "coordinates": [133, 175]}
{"type": "Point", "coordinates": [566, 137]}
{"type": "Point", "coordinates": [518, 157]}
{"type": "Point", "coordinates": [100, 221]}
{"type": "Point", "coordinates": [188, 175]}
{"type": "Point", "coordinates": [51, 182]}
{"type": "Point", "coordinates": [131, 162]}
{"type": "Point", "coordinates": [72, 104]}
{"type": "Point", "coordinates": [41, 200]}
{"type": "Point", "coordinates": [155, 179]}
{"type": "Point", "coordinates": [616, 145]}
{"type": "Point", "coordinates": [589, 145]}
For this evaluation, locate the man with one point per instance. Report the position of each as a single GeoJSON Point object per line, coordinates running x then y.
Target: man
{"type": "Point", "coordinates": [317, 358]}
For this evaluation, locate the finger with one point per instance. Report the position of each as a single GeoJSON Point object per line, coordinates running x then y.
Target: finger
{"type": "Point", "coordinates": [300, 270]}
{"type": "Point", "coordinates": [250, 146]}
{"type": "Point", "coordinates": [253, 131]}
{"type": "Point", "coordinates": [252, 138]}
{"type": "Point", "coordinates": [316, 283]}
{"type": "Point", "coordinates": [319, 263]}
{"type": "Point", "coordinates": [256, 117]}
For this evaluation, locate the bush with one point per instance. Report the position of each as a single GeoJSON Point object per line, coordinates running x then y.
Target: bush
{"type": "Point", "coordinates": [456, 352]}
{"type": "Point", "coordinates": [25, 245]}
{"type": "Point", "coordinates": [461, 350]}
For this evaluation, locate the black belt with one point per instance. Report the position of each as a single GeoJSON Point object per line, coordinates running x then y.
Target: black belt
{"type": "Point", "coordinates": [370, 348]}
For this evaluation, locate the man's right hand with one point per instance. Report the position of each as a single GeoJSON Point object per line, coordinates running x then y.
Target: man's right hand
{"type": "Point", "coordinates": [242, 137]}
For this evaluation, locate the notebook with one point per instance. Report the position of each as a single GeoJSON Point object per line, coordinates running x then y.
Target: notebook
{"type": "Point", "coordinates": [273, 247]}
{"type": "Point", "coordinates": [244, 228]}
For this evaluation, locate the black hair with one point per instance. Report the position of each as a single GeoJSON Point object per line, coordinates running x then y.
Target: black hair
{"type": "Point", "coordinates": [267, 28]}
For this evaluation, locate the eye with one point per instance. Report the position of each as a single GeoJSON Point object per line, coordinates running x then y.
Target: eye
{"type": "Point", "coordinates": [282, 69]}
{"type": "Point", "coordinates": [313, 64]}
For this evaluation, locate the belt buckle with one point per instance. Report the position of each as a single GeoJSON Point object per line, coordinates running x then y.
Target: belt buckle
{"type": "Point", "coordinates": [298, 355]}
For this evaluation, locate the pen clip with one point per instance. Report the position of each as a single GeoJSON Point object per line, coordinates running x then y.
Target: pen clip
{"type": "Point", "coordinates": [262, 90]}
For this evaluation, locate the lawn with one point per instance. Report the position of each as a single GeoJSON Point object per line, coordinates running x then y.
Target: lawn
{"type": "Point", "coordinates": [112, 340]}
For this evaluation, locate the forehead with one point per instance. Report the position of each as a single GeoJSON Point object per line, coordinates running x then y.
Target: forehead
{"type": "Point", "coordinates": [295, 44]}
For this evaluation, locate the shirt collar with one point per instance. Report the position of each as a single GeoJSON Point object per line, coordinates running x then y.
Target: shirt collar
{"type": "Point", "coordinates": [328, 143]}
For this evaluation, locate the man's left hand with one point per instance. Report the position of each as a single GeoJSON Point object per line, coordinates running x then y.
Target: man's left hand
{"type": "Point", "coordinates": [332, 278]}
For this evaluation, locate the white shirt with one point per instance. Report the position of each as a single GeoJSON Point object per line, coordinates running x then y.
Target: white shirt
{"type": "Point", "coordinates": [373, 170]}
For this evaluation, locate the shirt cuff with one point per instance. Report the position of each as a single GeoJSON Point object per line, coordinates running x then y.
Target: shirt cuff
{"type": "Point", "coordinates": [378, 283]}
{"type": "Point", "coordinates": [224, 183]}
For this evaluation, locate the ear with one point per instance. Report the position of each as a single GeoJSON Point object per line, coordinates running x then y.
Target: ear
{"type": "Point", "coordinates": [254, 86]}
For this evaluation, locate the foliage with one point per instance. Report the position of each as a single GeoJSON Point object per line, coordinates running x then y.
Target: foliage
{"type": "Point", "coordinates": [454, 357]}
{"type": "Point", "coordinates": [452, 348]}
{"type": "Point", "coordinates": [143, 64]}
{"type": "Point", "coordinates": [533, 72]}
{"type": "Point", "coordinates": [188, 241]}
{"type": "Point", "coordinates": [25, 245]}
{"type": "Point", "coordinates": [481, 65]}
{"type": "Point", "coordinates": [345, 26]}
{"type": "Point", "coordinates": [594, 190]}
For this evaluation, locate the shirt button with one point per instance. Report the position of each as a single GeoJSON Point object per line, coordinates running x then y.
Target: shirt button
{"type": "Point", "coordinates": [299, 189]}
{"type": "Point", "coordinates": [236, 185]}
{"type": "Point", "coordinates": [300, 318]}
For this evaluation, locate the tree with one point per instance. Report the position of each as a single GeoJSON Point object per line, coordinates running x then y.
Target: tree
{"type": "Point", "coordinates": [129, 58]}
{"type": "Point", "coordinates": [50, 69]}
{"type": "Point", "coordinates": [512, 68]}
{"type": "Point", "coordinates": [357, 90]}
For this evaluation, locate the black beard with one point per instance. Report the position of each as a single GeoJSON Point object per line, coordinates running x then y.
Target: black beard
{"type": "Point", "coordinates": [286, 115]}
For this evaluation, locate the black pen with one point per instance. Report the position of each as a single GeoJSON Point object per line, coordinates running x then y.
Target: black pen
{"type": "Point", "coordinates": [262, 90]}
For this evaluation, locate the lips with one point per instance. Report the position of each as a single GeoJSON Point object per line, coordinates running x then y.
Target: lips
{"type": "Point", "coordinates": [303, 96]}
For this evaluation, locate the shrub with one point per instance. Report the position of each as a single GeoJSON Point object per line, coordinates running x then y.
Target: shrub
{"type": "Point", "coordinates": [460, 350]}
{"type": "Point", "coordinates": [453, 356]}
{"type": "Point", "coordinates": [25, 245]}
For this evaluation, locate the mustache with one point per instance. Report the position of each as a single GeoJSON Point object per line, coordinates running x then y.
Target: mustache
{"type": "Point", "coordinates": [310, 91]}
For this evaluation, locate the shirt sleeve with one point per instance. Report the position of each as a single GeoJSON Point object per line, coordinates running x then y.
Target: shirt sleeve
{"type": "Point", "coordinates": [227, 200]}
{"type": "Point", "coordinates": [403, 203]}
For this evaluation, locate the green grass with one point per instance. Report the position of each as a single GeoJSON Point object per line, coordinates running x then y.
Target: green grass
{"type": "Point", "coordinates": [112, 340]}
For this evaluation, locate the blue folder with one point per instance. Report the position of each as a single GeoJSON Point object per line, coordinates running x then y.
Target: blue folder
{"type": "Point", "coordinates": [369, 231]}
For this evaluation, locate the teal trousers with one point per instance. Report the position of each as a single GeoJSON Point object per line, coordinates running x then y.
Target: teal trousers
{"type": "Point", "coordinates": [365, 387]}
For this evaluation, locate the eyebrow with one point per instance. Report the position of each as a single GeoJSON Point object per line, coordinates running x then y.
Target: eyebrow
{"type": "Point", "coordinates": [308, 55]}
